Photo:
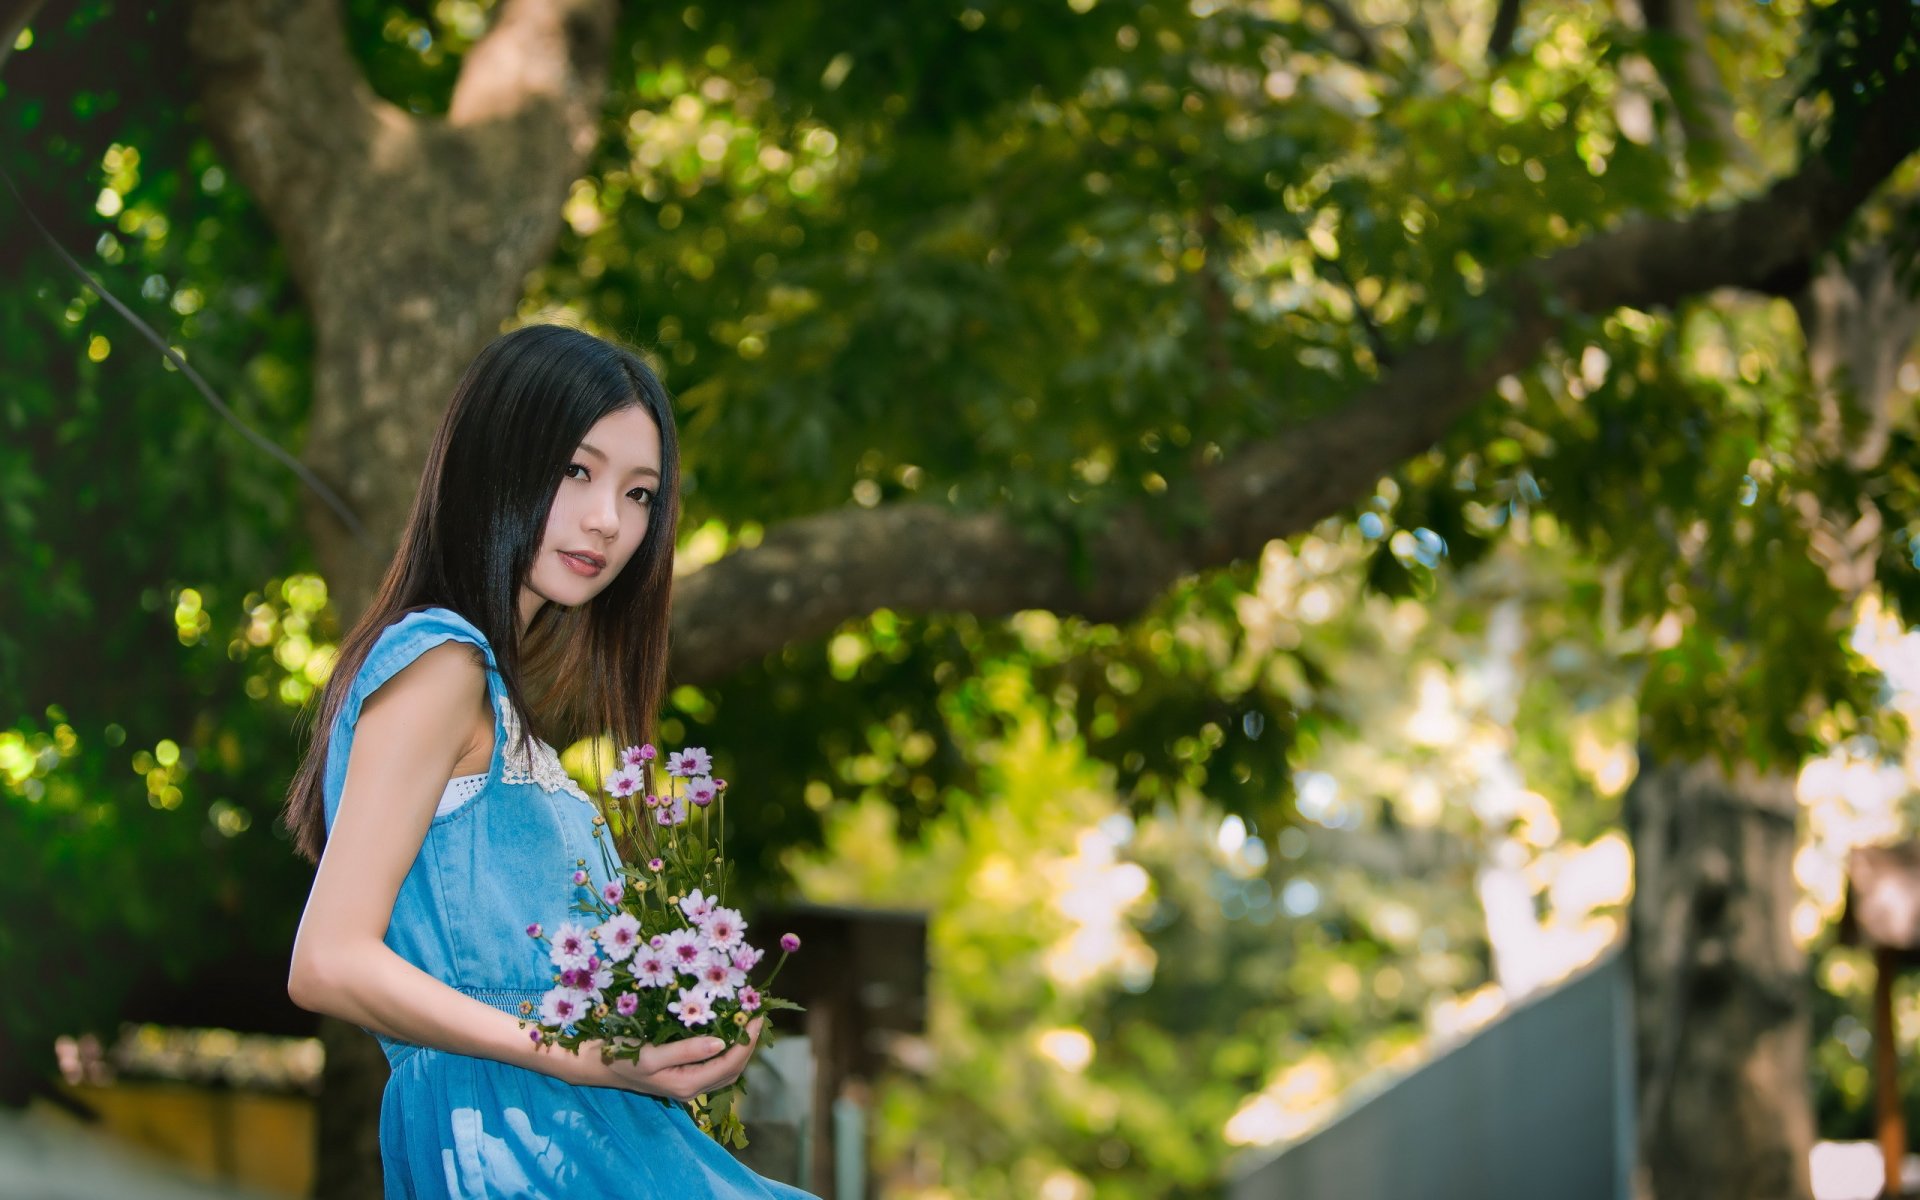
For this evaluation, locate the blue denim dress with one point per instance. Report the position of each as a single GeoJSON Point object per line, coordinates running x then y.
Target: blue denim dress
{"type": "Point", "coordinates": [455, 1125]}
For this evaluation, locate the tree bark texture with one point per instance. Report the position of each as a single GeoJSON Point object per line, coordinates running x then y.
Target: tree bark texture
{"type": "Point", "coordinates": [1721, 993]}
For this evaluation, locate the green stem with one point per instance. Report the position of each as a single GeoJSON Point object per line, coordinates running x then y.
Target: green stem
{"type": "Point", "coordinates": [784, 955]}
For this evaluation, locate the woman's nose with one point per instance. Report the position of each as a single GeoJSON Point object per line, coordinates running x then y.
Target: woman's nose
{"type": "Point", "coordinates": [602, 517]}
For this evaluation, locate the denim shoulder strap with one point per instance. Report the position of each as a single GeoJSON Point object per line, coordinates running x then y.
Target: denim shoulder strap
{"type": "Point", "coordinates": [399, 644]}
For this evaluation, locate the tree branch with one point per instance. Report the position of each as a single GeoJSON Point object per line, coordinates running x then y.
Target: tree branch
{"type": "Point", "coordinates": [1678, 51]}
{"type": "Point", "coordinates": [289, 108]}
{"type": "Point", "coordinates": [810, 574]}
{"type": "Point", "coordinates": [539, 54]}
{"type": "Point", "coordinates": [1506, 20]}
{"type": "Point", "coordinates": [1365, 46]}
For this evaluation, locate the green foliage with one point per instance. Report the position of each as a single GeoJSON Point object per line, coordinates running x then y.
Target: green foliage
{"type": "Point", "coordinates": [120, 491]}
{"type": "Point", "coordinates": [1013, 256]}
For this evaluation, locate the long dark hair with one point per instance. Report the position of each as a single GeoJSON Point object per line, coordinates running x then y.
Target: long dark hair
{"type": "Point", "coordinates": [515, 420]}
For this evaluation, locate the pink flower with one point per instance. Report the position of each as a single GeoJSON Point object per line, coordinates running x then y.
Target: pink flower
{"type": "Point", "coordinates": [612, 893]}
{"type": "Point", "coordinates": [720, 977]}
{"type": "Point", "coordinates": [701, 791]}
{"type": "Point", "coordinates": [572, 946]}
{"type": "Point", "coordinates": [685, 951]}
{"type": "Point", "coordinates": [624, 782]}
{"type": "Point", "coordinates": [627, 1003]}
{"type": "Point", "coordinates": [620, 936]}
{"type": "Point", "coordinates": [692, 1007]}
{"type": "Point", "coordinates": [673, 810]}
{"type": "Point", "coordinates": [579, 878]}
{"type": "Point", "coordinates": [749, 999]}
{"type": "Point", "coordinates": [533, 930]}
{"type": "Point", "coordinates": [657, 940]}
{"type": "Point", "coordinates": [654, 864]}
{"type": "Point", "coordinates": [562, 1006]}
{"type": "Point", "coordinates": [746, 957]}
{"type": "Point", "coordinates": [789, 942]}
{"type": "Point", "coordinates": [535, 1035]}
{"type": "Point", "coordinates": [632, 756]}
{"type": "Point", "coordinates": [685, 764]}
{"type": "Point", "coordinates": [698, 906]}
{"type": "Point", "coordinates": [651, 969]}
{"type": "Point", "coordinates": [720, 785]}
{"type": "Point", "coordinates": [592, 978]}
{"type": "Point", "coordinates": [647, 751]}
{"type": "Point", "coordinates": [724, 928]}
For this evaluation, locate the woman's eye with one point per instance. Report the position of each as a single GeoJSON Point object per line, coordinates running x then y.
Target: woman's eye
{"type": "Point", "coordinates": [571, 468]}
{"type": "Point", "coordinates": [643, 495]}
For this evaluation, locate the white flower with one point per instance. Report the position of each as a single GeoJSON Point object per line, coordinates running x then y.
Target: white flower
{"type": "Point", "coordinates": [619, 936]}
{"type": "Point", "coordinates": [746, 957]}
{"type": "Point", "coordinates": [694, 760]}
{"type": "Point", "coordinates": [624, 782]}
{"type": "Point", "coordinates": [719, 977]}
{"type": "Point", "coordinates": [698, 906]}
{"type": "Point", "coordinates": [652, 969]}
{"type": "Point", "coordinates": [724, 928]}
{"type": "Point", "coordinates": [572, 945]}
{"type": "Point", "coordinates": [693, 1007]}
{"type": "Point", "coordinates": [686, 951]}
{"type": "Point", "coordinates": [562, 1006]}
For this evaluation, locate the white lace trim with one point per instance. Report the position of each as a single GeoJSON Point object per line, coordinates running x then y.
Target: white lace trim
{"type": "Point", "coordinates": [545, 769]}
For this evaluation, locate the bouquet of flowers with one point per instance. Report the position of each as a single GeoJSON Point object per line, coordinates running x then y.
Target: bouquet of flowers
{"type": "Point", "coordinates": [661, 958]}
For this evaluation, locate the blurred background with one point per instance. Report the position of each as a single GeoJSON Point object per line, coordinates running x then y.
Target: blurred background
{"type": "Point", "coordinates": [1310, 596]}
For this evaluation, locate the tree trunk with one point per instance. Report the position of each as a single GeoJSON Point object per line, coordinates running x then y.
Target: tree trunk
{"type": "Point", "coordinates": [1720, 990]}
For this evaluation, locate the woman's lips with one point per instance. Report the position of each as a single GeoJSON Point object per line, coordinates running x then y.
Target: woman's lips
{"type": "Point", "coordinates": [581, 565]}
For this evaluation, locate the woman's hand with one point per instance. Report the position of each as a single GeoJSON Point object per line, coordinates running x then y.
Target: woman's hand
{"type": "Point", "coordinates": [676, 1070]}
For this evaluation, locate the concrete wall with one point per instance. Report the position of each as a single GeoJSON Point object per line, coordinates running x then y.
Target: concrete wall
{"type": "Point", "coordinates": [1536, 1106]}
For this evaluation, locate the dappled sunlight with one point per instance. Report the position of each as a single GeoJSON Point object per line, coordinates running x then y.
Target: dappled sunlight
{"type": "Point", "coordinates": [1096, 893]}
{"type": "Point", "coordinates": [1858, 793]}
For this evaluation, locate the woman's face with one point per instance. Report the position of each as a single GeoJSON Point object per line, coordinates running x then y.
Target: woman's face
{"type": "Point", "coordinates": [599, 513]}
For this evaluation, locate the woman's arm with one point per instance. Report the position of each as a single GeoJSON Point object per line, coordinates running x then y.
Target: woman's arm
{"type": "Point", "coordinates": [412, 731]}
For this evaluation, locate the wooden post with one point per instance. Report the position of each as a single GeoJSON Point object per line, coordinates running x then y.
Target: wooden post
{"type": "Point", "coordinates": [1891, 1122]}
{"type": "Point", "coordinates": [825, 1046]}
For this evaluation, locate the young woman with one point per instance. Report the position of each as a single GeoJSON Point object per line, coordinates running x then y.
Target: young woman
{"type": "Point", "coordinates": [539, 549]}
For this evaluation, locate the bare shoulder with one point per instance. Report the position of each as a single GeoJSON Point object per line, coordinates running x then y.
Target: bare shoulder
{"type": "Point", "coordinates": [441, 686]}
{"type": "Point", "coordinates": [421, 725]}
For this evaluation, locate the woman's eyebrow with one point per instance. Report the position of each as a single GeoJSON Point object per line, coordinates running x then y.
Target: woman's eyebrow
{"type": "Point", "coordinates": [636, 471]}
